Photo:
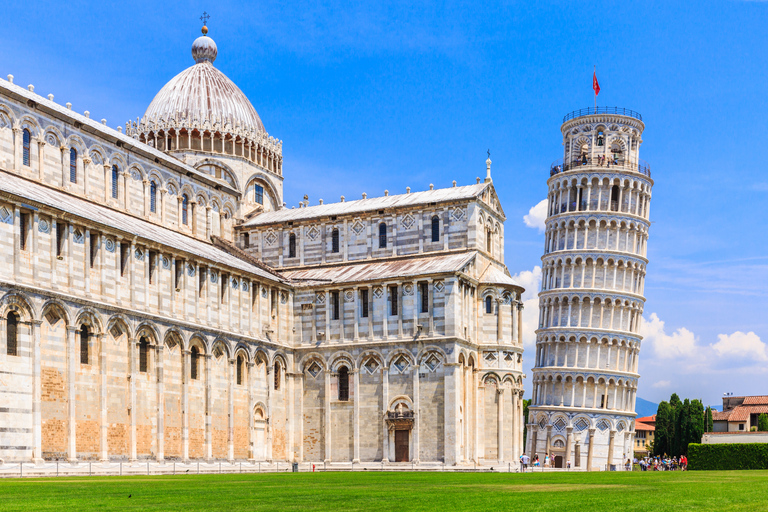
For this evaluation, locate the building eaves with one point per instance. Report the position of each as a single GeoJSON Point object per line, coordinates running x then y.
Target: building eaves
{"type": "Point", "coordinates": [380, 270]}
{"type": "Point", "coordinates": [441, 195]}
{"type": "Point", "coordinates": [32, 192]}
{"type": "Point", "coordinates": [127, 143]}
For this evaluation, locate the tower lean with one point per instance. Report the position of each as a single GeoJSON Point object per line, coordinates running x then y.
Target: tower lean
{"type": "Point", "coordinates": [591, 299]}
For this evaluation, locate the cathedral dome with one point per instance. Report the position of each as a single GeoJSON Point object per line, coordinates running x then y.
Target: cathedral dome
{"type": "Point", "coordinates": [201, 95]}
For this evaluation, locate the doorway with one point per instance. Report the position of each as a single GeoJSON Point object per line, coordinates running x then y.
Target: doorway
{"type": "Point", "coordinates": [558, 461]}
{"type": "Point", "coordinates": [402, 445]}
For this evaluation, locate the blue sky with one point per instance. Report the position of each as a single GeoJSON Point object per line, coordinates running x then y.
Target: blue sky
{"type": "Point", "coordinates": [371, 97]}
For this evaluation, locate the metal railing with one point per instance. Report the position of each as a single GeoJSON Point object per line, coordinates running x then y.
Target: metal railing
{"type": "Point", "coordinates": [602, 110]}
{"type": "Point", "coordinates": [640, 166]}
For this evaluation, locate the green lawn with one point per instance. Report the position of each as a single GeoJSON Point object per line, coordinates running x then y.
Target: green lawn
{"type": "Point", "coordinates": [394, 492]}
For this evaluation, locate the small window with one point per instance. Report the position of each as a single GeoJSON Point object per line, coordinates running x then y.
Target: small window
{"type": "Point", "coordinates": [194, 356]}
{"type": "Point", "coordinates": [435, 229]}
{"type": "Point", "coordinates": [73, 165]}
{"type": "Point", "coordinates": [179, 274]}
{"type": "Point", "coordinates": [382, 236]}
{"type": "Point", "coordinates": [615, 198]}
{"type": "Point", "coordinates": [153, 197]}
{"type": "Point", "coordinates": [202, 275]}
{"type": "Point", "coordinates": [488, 305]}
{"type": "Point", "coordinates": [277, 376]}
{"type": "Point", "coordinates": [364, 303]}
{"type": "Point", "coordinates": [125, 253]}
{"type": "Point", "coordinates": [115, 181]}
{"type": "Point", "coordinates": [12, 334]}
{"type": "Point", "coordinates": [335, 240]}
{"type": "Point", "coordinates": [152, 266]}
{"type": "Point", "coordinates": [23, 230]}
{"type": "Point", "coordinates": [258, 194]}
{"type": "Point", "coordinates": [94, 252]}
{"type": "Point", "coordinates": [84, 335]}
{"type": "Point", "coordinates": [61, 231]}
{"type": "Point", "coordinates": [184, 209]}
{"type": "Point", "coordinates": [343, 384]}
{"type": "Point", "coordinates": [335, 305]}
{"type": "Point", "coordinates": [424, 292]}
{"type": "Point", "coordinates": [292, 245]}
{"type": "Point", "coordinates": [143, 354]}
{"type": "Point", "coordinates": [393, 300]}
{"type": "Point", "coordinates": [246, 241]}
{"type": "Point", "coordinates": [25, 146]}
{"type": "Point", "coordinates": [240, 364]}
{"type": "Point", "coordinates": [488, 244]}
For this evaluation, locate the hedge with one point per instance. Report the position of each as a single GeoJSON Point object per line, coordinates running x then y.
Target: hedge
{"type": "Point", "coordinates": [727, 456]}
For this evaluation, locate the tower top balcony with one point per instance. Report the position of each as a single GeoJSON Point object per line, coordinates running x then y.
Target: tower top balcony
{"type": "Point", "coordinates": [587, 163]}
{"type": "Point", "coordinates": [591, 111]}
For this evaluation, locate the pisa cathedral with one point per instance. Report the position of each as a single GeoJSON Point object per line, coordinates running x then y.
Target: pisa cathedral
{"type": "Point", "coordinates": [159, 301]}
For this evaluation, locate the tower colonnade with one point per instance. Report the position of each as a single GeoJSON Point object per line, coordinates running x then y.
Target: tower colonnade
{"type": "Point", "coordinates": [591, 299]}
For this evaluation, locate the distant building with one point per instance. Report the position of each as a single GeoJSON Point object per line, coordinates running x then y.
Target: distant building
{"type": "Point", "coordinates": [739, 413]}
{"type": "Point", "coordinates": [645, 429]}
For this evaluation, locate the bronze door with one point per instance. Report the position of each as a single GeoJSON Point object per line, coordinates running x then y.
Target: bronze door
{"type": "Point", "coordinates": [401, 445]}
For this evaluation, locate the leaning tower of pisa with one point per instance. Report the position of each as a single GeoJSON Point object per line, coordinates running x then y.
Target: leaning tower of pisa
{"type": "Point", "coordinates": [591, 299]}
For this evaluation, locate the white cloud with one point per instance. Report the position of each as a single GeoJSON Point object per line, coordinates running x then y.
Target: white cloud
{"type": "Point", "coordinates": [661, 384]}
{"type": "Point", "coordinates": [531, 281]}
{"type": "Point", "coordinates": [680, 344]}
{"type": "Point", "coordinates": [536, 216]}
{"type": "Point", "coordinates": [741, 345]}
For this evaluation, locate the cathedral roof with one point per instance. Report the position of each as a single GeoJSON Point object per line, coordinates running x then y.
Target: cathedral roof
{"type": "Point", "coordinates": [202, 94]}
{"type": "Point", "coordinates": [375, 203]}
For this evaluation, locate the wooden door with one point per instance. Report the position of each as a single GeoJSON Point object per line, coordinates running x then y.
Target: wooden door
{"type": "Point", "coordinates": [558, 461]}
{"type": "Point", "coordinates": [401, 445]}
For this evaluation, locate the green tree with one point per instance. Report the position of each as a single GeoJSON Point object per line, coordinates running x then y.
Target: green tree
{"type": "Point", "coordinates": [682, 428]}
{"type": "Point", "coordinates": [762, 423]}
{"type": "Point", "coordinates": [696, 430]}
{"type": "Point", "coordinates": [526, 404]}
{"type": "Point", "coordinates": [664, 420]}
{"type": "Point", "coordinates": [710, 424]}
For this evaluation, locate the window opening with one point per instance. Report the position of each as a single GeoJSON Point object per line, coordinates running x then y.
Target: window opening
{"type": "Point", "coordinates": [23, 228]}
{"type": "Point", "coordinates": [488, 240]}
{"type": "Point", "coordinates": [25, 146]}
{"type": "Point", "coordinates": [615, 198]}
{"type": "Point", "coordinates": [393, 300]}
{"type": "Point", "coordinates": [334, 305]}
{"type": "Point", "coordinates": [435, 229]}
{"type": "Point", "coordinates": [194, 355]}
{"type": "Point", "coordinates": [335, 240]}
{"type": "Point", "coordinates": [343, 384]}
{"type": "Point", "coordinates": [424, 289]}
{"type": "Point", "coordinates": [84, 334]}
{"type": "Point", "coordinates": [184, 209]}
{"type": "Point", "coordinates": [292, 245]}
{"type": "Point", "coordinates": [239, 370]}
{"type": "Point", "coordinates": [115, 176]}
{"type": "Point", "coordinates": [73, 165]}
{"type": "Point", "coordinates": [364, 303]}
{"type": "Point", "coordinates": [152, 266]}
{"type": "Point", "coordinates": [11, 334]}
{"type": "Point", "coordinates": [488, 305]}
{"type": "Point", "coordinates": [258, 194]}
{"type": "Point", "coordinates": [125, 253]}
{"type": "Point", "coordinates": [382, 236]}
{"type": "Point", "coordinates": [153, 197]}
{"type": "Point", "coordinates": [246, 241]}
{"type": "Point", "coordinates": [60, 232]}
{"type": "Point", "coordinates": [143, 354]}
{"type": "Point", "coordinates": [94, 252]}
{"type": "Point", "coordinates": [277, 376]}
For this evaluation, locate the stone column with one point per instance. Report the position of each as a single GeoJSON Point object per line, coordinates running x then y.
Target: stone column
{"type": "Point", "coordinates": [515, 421]}
{"type": "Point", "coordinates": [568, 444]}
{"type": "Point", "coordinates": [71, 397]}
{"type": "Point", "coordinates": [41, 162]}
{"type": "Point", "coordinates": [431, 290]}
{"type": "Point", "coordinates": [132, 368]}
{"type": "Point", "coordinates": [290, 417]}
{"type": "Point", "coordinates": [356, 304]}
{"type": "Point", "coordinates": [17, 160]}
{"type": "Point", "coordinates": [385, 405]}
{"type": "Point", "coordinates": [185, 365]}
{"type": "Point", "coordinates": [37, 437]}
{"type": "Point", "coordinates": [452, 442]}
{"type": "Point", "coordinates": [356, 420]}
{"type": "Point", "coordinates": [231, 411]}
{"type": "Point", "coordinates": [520, 323]}
{"type": "Point", "coordinates": [416, 414]}
{"type": "Point", "coordinates": [591, 450]}
{"type": "Point", "coordinates": [611, 445]}
{"type": "Point", "coordinates": [533, 432]}
{"type": "Point", "coordinates": [103, 419]}
{"type": "Point", "coordinates": [500, 420]}
{"type": "Point", "coordinates": [499, 338]}
{"type": "Point", "coordinates": [208, 418]}
{"type": "Point", "coordinates": [327, 407]}
{"type": "Point", "coordinates": [160, 399]}
{"type": "Point", "coordinates": [549, 439]}
{"type": "Point", "coordinates": [250, 382]}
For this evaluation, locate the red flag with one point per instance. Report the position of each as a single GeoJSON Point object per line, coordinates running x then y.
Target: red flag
{"type": "Point", "coordinates": [595, 85]}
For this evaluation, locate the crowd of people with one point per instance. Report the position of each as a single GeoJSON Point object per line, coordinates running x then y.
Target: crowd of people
{"type": "Point", "coordinates": [663, 463]}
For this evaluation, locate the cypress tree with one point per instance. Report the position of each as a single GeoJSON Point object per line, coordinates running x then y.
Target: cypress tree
{"type": "Point", "coordinates": [762, 423]}
{"type": "Point", "coordinates": [710, 424]}
{"type": "Point", "coordinates": [697, 423]}
{"type": "Point", "coordinates": [662, 437]}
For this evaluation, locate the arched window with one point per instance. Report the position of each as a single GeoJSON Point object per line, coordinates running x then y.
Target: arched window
{"type": "Point", "coordinates": [240, 364]}
{"type": "Point", "coordinates": [115, 181]}
{"type": "Point", "coordinates": [435, 229]}
{"type": "Point", "coordinates": [488, 244]}
{"type": "Point", "coordinates": [615, 198]}
{"type": "Point", "coordinates": [258, 194]}
{"type": "Point", "coordinates": [335, 240]}
{"type": "Point", "coordinates": [194, 355]}
{"type": "Point", "coordinates": [292, 245]}
{"type": "Point", "coordinates": [382, 236]}
{"type": "Point", "coordinates": [12, 334]}
{"type": "Point", "coordinates": [73, 165]}
{"type": "Point", "coordinates": [143, 354]}
{"type": "Point", "coordinates": [277, 375]}
{"type": "Point", "coordinates": [25, 146]}
{"type": "Point", "coordinates": [184, 209]}
{"type": "Point", "coordinates": [84, 335]}
{"type": "Point", "coordinates": [343, 384]}
{"type": "Point", "coordinates": [488, 305]}
{"type": "Point", "coordinates": [153, 197]}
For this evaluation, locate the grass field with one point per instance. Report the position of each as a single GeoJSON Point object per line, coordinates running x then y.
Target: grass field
{"type": "Point", "coordinates": [394, 492]}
